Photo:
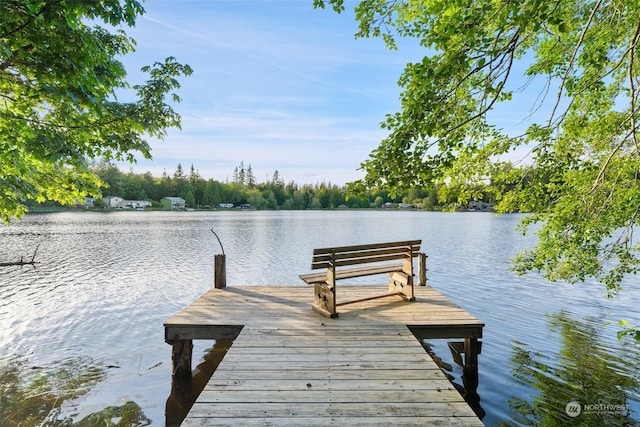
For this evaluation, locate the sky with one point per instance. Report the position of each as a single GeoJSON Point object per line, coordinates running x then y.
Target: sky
{"type": "Point", "coordinates": [277, 85]}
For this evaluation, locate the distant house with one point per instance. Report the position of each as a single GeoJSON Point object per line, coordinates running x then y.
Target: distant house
{"type": "Point", "coordinates": [136, 204]}
{"type": "Point", "coordinates": [116, 202]}
{"type": "Point", "coordinates": [113, 201]}
{"type": "Point", "coordinates": [172, 203]}
{"type": "Point", "coordinates": [88, 202]}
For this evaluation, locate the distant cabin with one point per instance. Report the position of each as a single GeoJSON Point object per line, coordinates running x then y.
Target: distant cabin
{"type": "Point", "coordinates": [172, 203]}
{"type": "Point", "coordinates": [115, 202]}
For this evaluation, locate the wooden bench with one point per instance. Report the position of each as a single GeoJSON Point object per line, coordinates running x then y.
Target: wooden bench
{"type": "Point", "coordinates": [377, 258]}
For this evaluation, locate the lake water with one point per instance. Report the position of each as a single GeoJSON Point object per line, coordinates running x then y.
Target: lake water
{"type": "Point", "coordinates": [95, 304]}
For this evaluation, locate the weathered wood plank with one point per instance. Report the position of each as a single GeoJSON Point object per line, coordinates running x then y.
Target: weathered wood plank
{"type": "Point", "coordinates": [436, 382]}
{"type": "Point", "coordinates": [352, 273]}
{"type": "Point", "coordinates": [281, 339]}
{"type": "Point", "coordinates": [370, 375]}
{"type": "Point", "coordinates": [311, 395]}
{"type": "Point", "coordinates": [368, 298]}
{"type": "Point", "coordinates": [367, 246]}
{"type": "Point", "coordinates": [297, 421]}
{"type": "Point", "coordinates": [389, 348]}
{"type": "Point", "coordinates": [331, 364]}
{"type": "Point", "coordinates": [335, 409]}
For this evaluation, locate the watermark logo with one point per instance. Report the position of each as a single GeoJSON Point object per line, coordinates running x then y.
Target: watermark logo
{"type": "Point", "coordinates": [573, 409]}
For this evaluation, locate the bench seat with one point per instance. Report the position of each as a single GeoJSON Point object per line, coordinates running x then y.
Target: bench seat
{"type": "Point", "coordinates": [314, 278]}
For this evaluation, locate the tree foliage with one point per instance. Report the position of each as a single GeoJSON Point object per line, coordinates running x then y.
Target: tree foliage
{"type": "Point", "coordinates": [582, 185]}
{"type": "Point", "coordinates": [60, 78]}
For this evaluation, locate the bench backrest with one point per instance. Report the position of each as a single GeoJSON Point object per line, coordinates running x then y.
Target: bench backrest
{"type": "Point", "coordinates": [364, 254]}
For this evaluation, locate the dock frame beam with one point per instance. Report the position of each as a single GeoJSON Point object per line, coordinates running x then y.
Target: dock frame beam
{"type": "Point", "coordinates": [181, 337]}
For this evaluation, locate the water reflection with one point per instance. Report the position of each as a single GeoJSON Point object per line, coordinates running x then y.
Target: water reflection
{"type": "Point", "coordinates": [184, 393]}
{"type": "Point", "coordinates": [43, 396]}
{"type": "Point", "coordinates": [469, 387]}
{"type": "Point", "coordinates": [583, 384]}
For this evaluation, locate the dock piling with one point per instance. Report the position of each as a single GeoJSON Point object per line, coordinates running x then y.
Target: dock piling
{"type": "Point", "coordinates": [220, 268]}
{"type": "Point", "coordinates": [181, 354]}
{"type": "Point", "coordinates": [422, 269]}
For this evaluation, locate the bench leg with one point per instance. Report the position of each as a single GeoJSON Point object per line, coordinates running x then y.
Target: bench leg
{"type": "Point", "coordinates": [324, 300]}
{"type": "Point", "coordinates": [403, 283]}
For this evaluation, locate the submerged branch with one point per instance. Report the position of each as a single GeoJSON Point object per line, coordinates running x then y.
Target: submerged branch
{"type": "Point", "coordinates": [22, 262]}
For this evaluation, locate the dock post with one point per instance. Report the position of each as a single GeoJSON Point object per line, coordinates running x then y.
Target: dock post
{"type": "Point", "coordinates": [470, 370]}
{"type": "Point", "coordinates": [181, 353]}
{"type": "Point", "coordinates": [422, 270]}
{"type": "Point", "coordinates": [220, 269]}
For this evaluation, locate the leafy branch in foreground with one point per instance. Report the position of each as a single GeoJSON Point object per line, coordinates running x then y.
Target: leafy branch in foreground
{"type": "Point", "coordinates": [582, 183]}
{"type": "Point", "coordinates": [59, 80]}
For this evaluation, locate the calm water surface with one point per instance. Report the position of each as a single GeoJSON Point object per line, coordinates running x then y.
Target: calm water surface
{"type": "Point", "coordinates": [106, 282]}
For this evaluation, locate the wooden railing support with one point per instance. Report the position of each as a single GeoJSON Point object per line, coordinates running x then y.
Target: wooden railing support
{"type": "Point", "coordinates": [422, 269]}
{"type": "Point", "coordinates": [220, 271]}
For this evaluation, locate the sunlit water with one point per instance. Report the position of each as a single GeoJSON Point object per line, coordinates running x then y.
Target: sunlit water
{"type": "Point", "coordinates": [105, 283]}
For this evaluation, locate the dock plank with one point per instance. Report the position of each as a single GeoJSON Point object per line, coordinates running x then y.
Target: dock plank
{"type": "Point", "coordinates": [324, 412]}
{"type": "Point", "coordinates": [347, 421]}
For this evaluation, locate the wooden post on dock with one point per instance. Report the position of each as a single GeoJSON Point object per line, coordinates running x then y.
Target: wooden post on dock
{"type": "Point", "coordinates": [470, 370]}
{"type": "Point", "coordinates": [181, 353]}
{"type": "Point", "coordinates": [220, 270]}
{"type": "Point", "coordinates": [422, 270]}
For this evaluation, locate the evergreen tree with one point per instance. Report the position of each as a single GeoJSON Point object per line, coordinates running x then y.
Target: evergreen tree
{"type": "Point", "coordinates": [240, 175]}
{"type": "Point", "coordinates": [250, 179]}
{"type": "Point", "coordinates": [178, 181]}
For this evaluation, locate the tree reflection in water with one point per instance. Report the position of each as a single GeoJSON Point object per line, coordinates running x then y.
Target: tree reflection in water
{"type": "Point", "coordinates": [185, 392]}
{"type": "Point", "coordinates": [584, 371]}
{"type": "Point", "coordinates": [37, 398]}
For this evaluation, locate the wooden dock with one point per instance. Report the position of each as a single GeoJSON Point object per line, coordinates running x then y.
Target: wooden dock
{"type": "Point", "coordinates": [289, 365]}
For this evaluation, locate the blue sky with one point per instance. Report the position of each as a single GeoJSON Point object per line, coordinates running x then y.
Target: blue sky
{"type": "Point", "coordinates": [277, 84]}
